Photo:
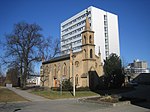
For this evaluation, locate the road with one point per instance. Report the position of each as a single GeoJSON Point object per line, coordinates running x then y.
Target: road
{"type": "Point", "coordinates": [40, 104]}
{"type": "Point", "coordinates": [71, 105]}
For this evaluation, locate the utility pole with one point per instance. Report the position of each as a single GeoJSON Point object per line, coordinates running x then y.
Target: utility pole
{"type": "Point", "coordinates": [73, 76]}
{"type": "Point", "coordinates": [72, 56]}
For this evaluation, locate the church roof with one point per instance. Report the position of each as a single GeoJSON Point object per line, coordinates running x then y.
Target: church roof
{"type": "Point", "coordinates": [56, 59]}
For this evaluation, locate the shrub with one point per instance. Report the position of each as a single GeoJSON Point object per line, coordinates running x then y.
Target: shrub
{"type": "Point", "coordinates": [67, 85]}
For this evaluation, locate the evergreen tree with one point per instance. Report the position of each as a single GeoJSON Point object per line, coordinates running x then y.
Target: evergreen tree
{"type": "Point", "coordinates": [113, 70]}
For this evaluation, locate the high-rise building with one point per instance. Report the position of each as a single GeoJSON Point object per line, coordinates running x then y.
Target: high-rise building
{"type": "Point", "coordinates": [104, 25]}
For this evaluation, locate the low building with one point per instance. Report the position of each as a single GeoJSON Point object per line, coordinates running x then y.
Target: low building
{"type": "Point", "coordinates": [74, 65]}
{"type": "Point", "coordinates": [34, 79]}
{"type": "Point", "coordinates": [137, 67]}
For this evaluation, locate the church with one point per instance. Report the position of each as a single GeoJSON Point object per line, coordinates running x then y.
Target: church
{"type": "Point", "coordinates": [74, 66]}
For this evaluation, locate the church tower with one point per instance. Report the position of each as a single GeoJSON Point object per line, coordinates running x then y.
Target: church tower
{"type": "Point", "coordinates": [88, 46]}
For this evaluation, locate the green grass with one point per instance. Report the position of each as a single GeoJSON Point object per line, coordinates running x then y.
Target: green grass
{"type": "Point", "coordinates": [9, 96]}
{"type": "Point", "coordinates": [65, 94]}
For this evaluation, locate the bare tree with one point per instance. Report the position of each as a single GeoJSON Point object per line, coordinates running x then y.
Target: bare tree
{"type": "Point", "coordinates": [50, 48]}
{"type": "Point", "coordinates": [23, 48]}
{"type": "Point", "coordinates": [55, 48]}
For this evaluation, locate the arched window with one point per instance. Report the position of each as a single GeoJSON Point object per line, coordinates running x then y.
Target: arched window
{"type": "Point", "coordinates": [47, 71]}
{"type": "Point", "coordinates": [84, 39]}
{"type": "Point", "coordinates": [84, 53]}
{"type": "Point", "coordinates": [64, 69]}
{"type": "Point", "coordinates": [90, 39]}
{"type": "Point", "coordinates": [76, 80]}
{"type": "Point", "coordinates": [91, 53]}
{"type": "Point", "coordinates": [54, 71]}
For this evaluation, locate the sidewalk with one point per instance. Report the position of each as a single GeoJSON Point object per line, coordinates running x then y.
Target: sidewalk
{"type": "Point", "coordinates": [27, 95]}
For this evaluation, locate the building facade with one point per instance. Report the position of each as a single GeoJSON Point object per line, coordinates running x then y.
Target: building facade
{"type": "Point", "coordinates": [74, 65]}
{"type": "Point", "coordinates": [137, 67]}
{"type": "Point", "coordinates": [105, 26]}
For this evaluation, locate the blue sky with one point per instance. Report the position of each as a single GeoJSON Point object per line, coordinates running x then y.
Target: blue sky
{"type": "Point", "coordinates": [134, 20]}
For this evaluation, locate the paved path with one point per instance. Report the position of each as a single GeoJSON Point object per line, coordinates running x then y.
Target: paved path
{"type": "Point", "coordinates": [28, 95]}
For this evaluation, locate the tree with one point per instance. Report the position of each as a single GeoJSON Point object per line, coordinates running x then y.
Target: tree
{"type": "Point", "coordinates": [23, 48]}
{"type": "Point", "coordinates": [113, 70]}
{"type": "Point", "coordinates": [50, 48]}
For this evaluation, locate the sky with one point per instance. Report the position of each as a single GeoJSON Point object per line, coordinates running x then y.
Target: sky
{"type": "Point", "coordinates": [134, 20]}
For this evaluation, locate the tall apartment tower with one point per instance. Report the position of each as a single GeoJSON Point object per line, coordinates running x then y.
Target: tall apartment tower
{"type": "Point", "coordinates": [105, 26]}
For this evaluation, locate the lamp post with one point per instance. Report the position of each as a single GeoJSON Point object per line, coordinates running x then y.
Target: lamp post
{"type": "Point", "coordinates": [73, 56]}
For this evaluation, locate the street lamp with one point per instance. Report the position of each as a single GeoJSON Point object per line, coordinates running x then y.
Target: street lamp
{"type": "Point", "coordinates": [73, 56]}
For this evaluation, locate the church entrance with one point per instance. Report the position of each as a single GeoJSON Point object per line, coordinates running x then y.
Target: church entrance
{"type": "Point", "coordinates": [94, 80]}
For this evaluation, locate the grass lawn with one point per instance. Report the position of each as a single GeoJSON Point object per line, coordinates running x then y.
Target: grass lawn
{"type": "Point", "coordinates": [65, 94]}
{"type": "Point", "coordinates": [9, 96]}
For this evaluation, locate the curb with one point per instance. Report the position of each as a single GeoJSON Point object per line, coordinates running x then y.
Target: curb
{"type": "Point", "coordinates": [121, 103]}
{"type": "Point", "coordinates": [76, 98]}
{"type": "Point", "coordinates": [1, 103]}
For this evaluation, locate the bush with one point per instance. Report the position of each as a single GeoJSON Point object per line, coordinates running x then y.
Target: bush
{"type": "Point", "coordinates": [67, 85]}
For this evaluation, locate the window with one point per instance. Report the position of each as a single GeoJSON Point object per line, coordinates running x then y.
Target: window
{"type": "Point", "coordinates": [105, 28]}
{"type": "Point", "coordinates": [90, 39]}
{"type": "Point", "coordinates": [54, 71]}
{"type": "Point", "coordinates": [77, 63]}
{"type": "Point", "coordinates": [76, 80]}
{"type": "Point", "coordinates": [91, 53]}
{"type": "Point", "coordinates": [107, 53]}
{"type": "Point", "coordinates": [106, 35]}
{"type": "Point", "coordinates": [84, 39]}
{"type": "Point", "coordinates": [65, 69]}
{"type": "Point", "coordinates": [84, 53]}
{"type": "Point", "coordinates": [105, 17]}
{"type": "Point", "coordinates": [106, 41]}
{"type": "Point", "coordinates": [105, 22]}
